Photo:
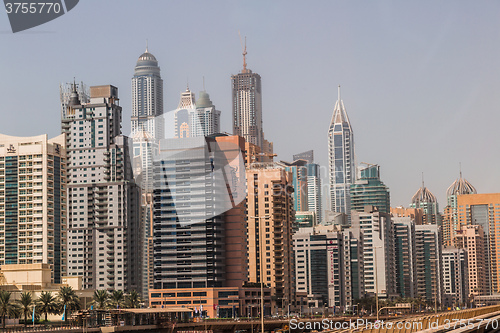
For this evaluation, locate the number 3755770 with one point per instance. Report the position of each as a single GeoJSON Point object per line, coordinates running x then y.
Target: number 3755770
{"type": "Point", "coordinates": [32, 7]}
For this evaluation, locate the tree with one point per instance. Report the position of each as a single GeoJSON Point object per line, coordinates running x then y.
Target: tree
{"type": "Point", "coordinates": [133, 300]}
{"type": "Point", "coordinates": [26, 303]}
{"type": "Point", "coordinates": [7, 308]}
{"type": "Point", "coordinates": [101, 298]}
{"type": "Point", "coordinates": [47, 303]}
{"type": "Point", "coordinates": [69, 299]}
{"type": "Point", "coordinates": [117, 298]}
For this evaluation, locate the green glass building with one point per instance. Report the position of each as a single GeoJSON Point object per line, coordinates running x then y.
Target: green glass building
{"type": "Point", "coordinates": [369, 190]}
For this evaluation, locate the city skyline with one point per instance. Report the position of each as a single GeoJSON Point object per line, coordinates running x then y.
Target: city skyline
{"type": "Point", "coordinates": [411, 88]}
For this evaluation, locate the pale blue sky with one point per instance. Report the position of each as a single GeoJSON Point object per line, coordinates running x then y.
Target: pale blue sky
{"type": "Point", "coordinates": [420, 79]}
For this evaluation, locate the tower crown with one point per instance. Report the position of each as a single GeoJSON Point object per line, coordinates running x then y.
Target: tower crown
{"type": "Point", "coordinates": [460, 186]}
{"type": "Point", "coordinates": [423, 195]}
{"type": "Point", "coordinates": [147, 64]}
{"type": "Point", "coordinates": [203, 100]}
{"type": "Point", "coordinates": [339, 113]}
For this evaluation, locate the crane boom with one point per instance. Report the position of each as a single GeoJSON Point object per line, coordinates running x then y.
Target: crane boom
{"type": "Point", "coordinates": [244, 50]}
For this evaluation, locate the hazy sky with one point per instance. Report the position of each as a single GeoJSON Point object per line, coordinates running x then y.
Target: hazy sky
{"type": "Point", "coordinates": [420, 79]}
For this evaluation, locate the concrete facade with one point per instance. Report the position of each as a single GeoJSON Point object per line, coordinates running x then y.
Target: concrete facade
{"type": "Point", "coordinates": [484, 210]}
{"type": "Point", "coordinates": [377, 231]}
{"type": "Point", "coordinates": [472, 239]}
{"type": "Point", "coordinates": [270, 223]}
{"type": "Point", "coordinates": [104, 204]}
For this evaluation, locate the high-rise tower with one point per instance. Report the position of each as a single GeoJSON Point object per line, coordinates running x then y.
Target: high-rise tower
{"type": "Point", "coordinates": [33, 203]}
{"type": "Point", "coordinates": [340, 159]}
{"type": "Point", "coordinates": [147, 129]}
{"type": "Point", "coordinates": [147, 97]}
{"type": "Point", "coordinates": [103, 200]}
{"type": "Point", "coordinates": [205, 119]}
{"type": "Point", "coordinates": [187, 104]}
{"type": "Point", "coordinates": [369, 190]}
{"type": "Point", "coordinates": [247, 105]}
{"type": "Point", "coordinates": [424, 199]}
{"type": "Point", "coordinates": [450, 217]}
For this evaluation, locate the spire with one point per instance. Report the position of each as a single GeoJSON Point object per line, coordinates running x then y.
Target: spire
{"type": "Point", "coordinates": [204, 83]}
{"type": "Point", "coordinates": [147, 46]}
{"type": "Point", "coordinates": [339, 92]}
{"type": "Point", "coordinates": [423, 185]}
{"type": "Point", "coordinates": [460, 167]}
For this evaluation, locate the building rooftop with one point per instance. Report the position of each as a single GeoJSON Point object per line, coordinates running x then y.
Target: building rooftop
{"type": "Point", "coordinates": [460, 186]}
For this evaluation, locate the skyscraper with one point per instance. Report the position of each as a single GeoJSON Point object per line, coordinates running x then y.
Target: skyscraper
{"type": "Point", "coordinates": [377, 231]}
{"type": "Point", "coordinates": [484, 210]}
{"type": "Point", "coordinates": [33, 202]}
{"type": "Point", "coordinates": [329, 266]}
{"type": "Point", "coordinates": [314, 197]}
{"type": "Point", "coordinates": [147, 130]}
{"type": "Point", "coordinates": [103, 220]}
{"type": "Point", "coordinates": [199, 226]}
{"type": "Point", "coordinates": [450, 217]}
{"type": "Point", "coordinates": [428, 244]}
{"type": "Point", "coordinates": [147, 97]}
{"type": "Point", "coordinates": [205, 119]}
{"type": "Point", "coordinates": [186, 105]}
{"type": "Point", "coordinates": [341, 159]}
{"type": "Point", "coordinates": [369, 190]}
{"type": "Point", "coordinates": [405, 253]}
{"type": "Point", "coordinates": [424, 199]}
{"type": "Point", "coordinates": [472, 239]}
{"type": "Point", "coordinates": [455, 277]}
{"type": "Point", "coordinates": [271, 219]}
{"type": "Point", "coordinates": [299, 176]}
{"type": "Point", "coordinates": [247, 105]}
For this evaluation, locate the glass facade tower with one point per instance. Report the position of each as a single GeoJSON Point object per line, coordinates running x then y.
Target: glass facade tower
{"type": "Point", "coordinates": [340, 159]}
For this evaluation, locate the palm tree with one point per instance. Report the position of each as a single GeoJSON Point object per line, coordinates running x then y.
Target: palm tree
{"type": "Point", "coordinates": [47, 303]}
{"type": "Point", "coordinates": [117, 298]}
{"type": "Point", "coordinates": [101, 298]}
{"type": "Point", "coordinates": [133, 300]}
{"type": "Point", "coordinates": [69, 299]}
{"type": "Point", "coordinates": [26, 303]}
{"type": "Point", "coordinates": [7, 308]}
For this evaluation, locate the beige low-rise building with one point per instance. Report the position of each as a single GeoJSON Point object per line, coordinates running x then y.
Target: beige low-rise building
{"type": "Point", "coordinates": [36, 278]}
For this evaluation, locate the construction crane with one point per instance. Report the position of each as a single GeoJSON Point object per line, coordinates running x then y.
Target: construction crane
{"type": "Point", "coordinates": [244, 50]}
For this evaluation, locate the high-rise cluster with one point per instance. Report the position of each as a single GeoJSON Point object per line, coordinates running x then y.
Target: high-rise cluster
{"type": "Point", "coordinates": [209, 221]}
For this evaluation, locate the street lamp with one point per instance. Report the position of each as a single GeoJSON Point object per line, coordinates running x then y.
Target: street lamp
{"type": "Point", "coordinates": [376, 274]}
{"type": "Point", "coordinates": [261, 247]}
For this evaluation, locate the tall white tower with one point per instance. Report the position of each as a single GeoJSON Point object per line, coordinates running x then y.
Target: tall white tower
{"type": "Point", "coordinates": [147, 97]}
{"type": "Point", "coordinates": [340, 159]}
{"type": "Point", "coordinates": [148, 128]}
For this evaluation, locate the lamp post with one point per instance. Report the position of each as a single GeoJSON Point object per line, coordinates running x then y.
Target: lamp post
{"type": "Point", "coordinates": [376, 274]}
{"type": "Point", "coordinates": [261, 247]}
